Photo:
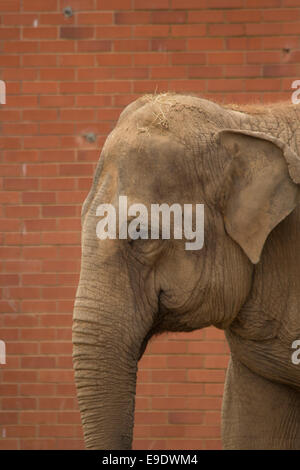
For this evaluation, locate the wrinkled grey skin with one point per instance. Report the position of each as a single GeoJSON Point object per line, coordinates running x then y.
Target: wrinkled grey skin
{"type": "Point", "coordinates": [243, 165]}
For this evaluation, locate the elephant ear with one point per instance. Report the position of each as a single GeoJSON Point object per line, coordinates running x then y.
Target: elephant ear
{"type": "Point", "coordinates": [261, 189]}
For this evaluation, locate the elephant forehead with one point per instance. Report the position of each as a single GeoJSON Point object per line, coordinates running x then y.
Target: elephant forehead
{"type": "Point", "coordinates": [142, 165]}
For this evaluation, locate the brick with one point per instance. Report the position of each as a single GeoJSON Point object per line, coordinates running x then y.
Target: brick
{"type": "Point", "coordinates": [113, 86]}
{"type": "Point", "coordinates": [94, 46]}
{"type": "Point", "coordinates": [263, 57]}
{"type": "Point", "coordinates": [166, 17]}
{"type": "Point", "coordinates": [55, 19]}
{"type": "Point", "coordinates": [9, 61]}
{"type": "Point", "coordinates": [57, 403]}
{"type": "Point", "coordinates": [55, 46]}
{"type": "Point", "coordinates": [154, 4]}
{"type": "Point", "coordinates": [188, 58]}
{"type": "Point", "coordinates": [167, 431]}
{"type": "Point", "coordinates": [38, 444]}
{"type": "Point", "coordinates": [59, 292]}
{"type": "Point", "coordinates": [20, 431]}
{"type": "Point", "coordinates": [60, 376]}
{"type": "Point", "coordinates": [227, 29]}
{"type": "Point", "coordinates": [19, 74]}
{"type": "Point", "coordinates": [205, 44]}
{"type": "Point", "coordinates": [37, 389]}
{"type": "Point", "coordinates": [244, 16]}
{"type": "Point", "coordinates": [189, 30]}
{"type": "Point", "coordinates": [191, 4]}
{"type": "Point", "coordinates": [263, 84]}
{"type": "Point", "coordinates": [151, 59]}
{"type": "Point", "coordinates": [132, 17]}
{"type": "Point", "coordinates": [87, 101]}
{"type": "Point", "coordinates": [216, 58]}
{"type": "Point", "coordinates": [263, 3]}
{"type": "Point", "coordinates": [283, 42]}
{"type": "Point", "coordinates": [59, 431]}
{"type": "Point", "coordinates": [213, 444]}
{"type": "Point", "coordinates": [56, 101]}
{"type": "Point", "coordinates": [204, 71]}
{"type": "Point", "coordinates": [76, 32]}
{"type": "Point", "coordinates": [9, 444]}
{"type": "Point", "coordinates": [57, 74]}
{"type": "Point", "coordinates": [35, 5]}
{"type": "Point", "coordinates": [77, 60]}
{"type": "Point", "coordinates": [38, 197]}
{"type": "Point", "coordinates": [39, 60]}
{"type": "Point", "coordinates": [183, 444]}
{"type": "Point", "coordinates": [9, 5]}
{"type": "Point", "coordinates": [40, 33]}
{"type": "Point", "coordinates": [17, 376]}
{"type": "Point", "coordinates": [79, 4]}
{"type": "Point", "coordinates": [39, 279]}
{"type": "Point", "coordinates": [188, 85]}
{"type": "Point", "coordinates": [39, 252]}
{"type": "Point", "coordinates": [124, 72]}
{"type": "Point", "coordinates": [9, 197]}
{"type": "Point", "coordinates": [186, 389]}
{"type": "Point", "coordinates": [125, 45]}
{"type": "Point", "coordinates": [22, 101]}
{"type": "Point", "coordinates": [22, 239]}
{"type": "Point", "coordinates": [151, 31]}
{"type": "Point", "coordinates": [10, 115]}
{"type": "Point", "coordinates": [8, 418]}
{"type": "Point", "coordinates": [164, 44]}
{"type": "Point", "coordinates": [10, 252]}
{"type": "Point", "coordinates": [37, 417]}
{"type": "Point", "coordinates": [40, 224]}
{"type": "Point", "coordinates": [229, 4]}
{"type": "Point", "coordinates": [203, 431]}
{"type": "Point", "coordinates": [95, 73]}
{"type": "Point", "coordinates": [10, 170]}
{"type": "Point", "coordinates": [9, 279]}
{"type": "Point", "coordinates": [205, 16]}
{"type": "Point", "coordinates": [279, 70]}
{"type": "Point", "coordinates": [71, 444]}
{"type": "Point", "coordinates": [22, 211]}
{"type": "Point", "coordinates": [200, 403]}
{"type": "Point", "coordinates": [52, 184]}
{"type": "Point", "coordinates": [169, 72]}
{"type": "Point", "coordinates": [59, 266]}
{"type": "Point", "coordinates": [265, 29]}
{"type": "Point", "coordinates": [185, 417]}
{"type": "Point", "coordinates": [19, 403]}
{"type": "Point", "coordinates": [38, 334]}
{"type": "Point", "coordinates": [19, 129]}
{"type": "Point", "coordinates": [9, 33]}
{"type": "Point", "coordinates": [95, 18]}
{"type": "Point", "coordinates": [206, 375]}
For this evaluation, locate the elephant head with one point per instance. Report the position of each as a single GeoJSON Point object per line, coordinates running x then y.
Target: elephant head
{"type": "Point", "coordinates": [170, 149]}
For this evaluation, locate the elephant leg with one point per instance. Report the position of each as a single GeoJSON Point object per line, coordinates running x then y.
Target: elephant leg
{"type": "Point", "coordinates": [258, 413]}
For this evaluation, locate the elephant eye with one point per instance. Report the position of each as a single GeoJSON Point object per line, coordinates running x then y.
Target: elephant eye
{"type": "Point", "coordinates": [146, 251]}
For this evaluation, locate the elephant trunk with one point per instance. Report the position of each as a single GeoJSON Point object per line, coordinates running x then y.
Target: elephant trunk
{"type": "Point", "coordinates": [106, 347]}
{"type": "Point", "coordinates": [105, 385]}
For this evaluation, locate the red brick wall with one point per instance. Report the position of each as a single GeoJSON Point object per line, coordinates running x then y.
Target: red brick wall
{"type": "Point", "coordinates": [66, 77]}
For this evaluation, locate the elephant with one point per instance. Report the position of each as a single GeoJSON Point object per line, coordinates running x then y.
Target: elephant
{"type": "Point", "coordinates": [242, 163]}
